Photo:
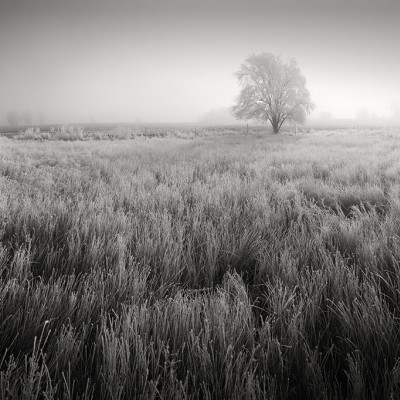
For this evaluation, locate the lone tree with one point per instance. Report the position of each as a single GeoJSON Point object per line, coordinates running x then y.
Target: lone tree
{"type": "Point", "coordinates": [272, 90]}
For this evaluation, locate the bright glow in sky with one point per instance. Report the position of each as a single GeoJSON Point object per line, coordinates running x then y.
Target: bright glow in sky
{"type": "Point", "coordinates": [173, 61]}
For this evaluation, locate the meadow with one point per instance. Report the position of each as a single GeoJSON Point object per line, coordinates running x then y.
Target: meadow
{"type": "Point", "coordinates": [215, 266]}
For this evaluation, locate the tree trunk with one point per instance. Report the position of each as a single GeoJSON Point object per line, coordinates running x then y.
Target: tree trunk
{"type": "Point", "coordinates": [275, 124]}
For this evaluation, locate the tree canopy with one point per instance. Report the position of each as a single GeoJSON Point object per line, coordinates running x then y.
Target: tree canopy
{"type": "Point", "coordinates": [272, 90]}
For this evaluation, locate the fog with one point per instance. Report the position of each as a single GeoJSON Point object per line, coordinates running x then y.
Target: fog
{"type": "Point", "coordinates": [174, 61]}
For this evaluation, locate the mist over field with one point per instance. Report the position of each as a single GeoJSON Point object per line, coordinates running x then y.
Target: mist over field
{"type": "Point", "coordinates": [199, 200]}
{"type": "Point", "coordinates": [174, 61]}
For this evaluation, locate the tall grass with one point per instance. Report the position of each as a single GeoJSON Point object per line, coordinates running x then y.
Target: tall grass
{"type": "Point", "coordinates": [228, 267]}
{"type": "Point", "coordinates": [116, 132]}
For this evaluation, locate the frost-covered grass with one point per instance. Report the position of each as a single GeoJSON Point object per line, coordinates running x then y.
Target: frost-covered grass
{"type": "Point", "coordinates": [124, 132]}
{"type": "Point", "coordinates": [224, 267]}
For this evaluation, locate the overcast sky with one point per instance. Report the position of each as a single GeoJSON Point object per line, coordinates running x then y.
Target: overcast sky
{"type": "Point", "coordinates": [173, 61]}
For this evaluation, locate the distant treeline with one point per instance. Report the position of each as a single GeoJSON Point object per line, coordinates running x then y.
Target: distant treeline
{"type": "Point", "coordinates": [16, 118]}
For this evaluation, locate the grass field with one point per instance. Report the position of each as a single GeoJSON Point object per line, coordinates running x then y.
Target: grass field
{"type": "Point", "coordinates": [215, 267]}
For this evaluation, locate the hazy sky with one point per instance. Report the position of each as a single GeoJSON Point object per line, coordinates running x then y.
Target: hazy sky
{"type": "Point", "coordinates": [170, 61]}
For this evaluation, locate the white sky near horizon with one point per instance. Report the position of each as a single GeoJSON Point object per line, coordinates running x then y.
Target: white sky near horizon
{"type": "Point", "coordinates": [173, 61]}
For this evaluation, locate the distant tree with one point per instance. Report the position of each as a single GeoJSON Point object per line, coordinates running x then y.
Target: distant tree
{"type": "Point", "coordinates": [272, 90]}
{"type": "Point", "coordinates": [325, 115]}
{"type": "Point", "coordinates": [364, 113]}
{"type": "Point", "coordinates": [26, 118]}
{"type": "Point", "coordinates": [395, 110]}
{"type": "Point", "coordinates": [13, 118]}
{"type": "Point", "coordinates": [41, 118]}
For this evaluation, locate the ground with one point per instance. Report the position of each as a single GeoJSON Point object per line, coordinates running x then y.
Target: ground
{"type": "Point", "coordinates": [201, 267]}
